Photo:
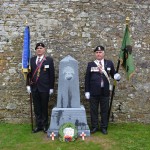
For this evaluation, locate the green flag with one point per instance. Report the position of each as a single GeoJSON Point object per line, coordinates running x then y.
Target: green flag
{"type": "Point", "coordinates": [125, 55]}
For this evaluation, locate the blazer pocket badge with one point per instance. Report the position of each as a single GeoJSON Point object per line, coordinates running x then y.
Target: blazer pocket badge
{"type": "Point", "coordinates": [45, 67]}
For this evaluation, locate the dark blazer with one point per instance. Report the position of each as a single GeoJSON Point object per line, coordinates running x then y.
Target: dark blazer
{"type": "Point", "coordinates": [93, 79]}
{"type": "Point", "coordinates": [46, 79]}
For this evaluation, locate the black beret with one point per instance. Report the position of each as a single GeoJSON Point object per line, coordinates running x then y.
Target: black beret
{"type": "Point", "coordinates": [39, 44]}
{"type": "Point", "coordinates": [99, 48]}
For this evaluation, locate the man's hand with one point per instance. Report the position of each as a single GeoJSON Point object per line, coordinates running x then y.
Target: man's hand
{"type": "Point", "coordinates": [117, 77]}
{"type": "Point", "coordinates": [28, 89]}
{"type": "Point", "coordinates": [51, 91]}
{"type": "Point", "coordinates": [87, 95]}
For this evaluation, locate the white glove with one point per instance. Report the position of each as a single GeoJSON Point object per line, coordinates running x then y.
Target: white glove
{"type": "Point", "coordinates": [87, 95]}
{"type": "Point", "coordinates": [28, 89]}
{"type": "Point", "coordinates": [117, 77]}
{"type": "Point", "coordinates": [51, 91]}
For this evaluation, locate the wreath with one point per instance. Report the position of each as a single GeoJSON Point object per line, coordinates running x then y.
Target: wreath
{"type": "Point", "coordinates": [67, 132]}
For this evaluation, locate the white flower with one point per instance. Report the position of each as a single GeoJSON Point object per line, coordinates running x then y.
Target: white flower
{"type": "Point", "coordinates": [68, 132]}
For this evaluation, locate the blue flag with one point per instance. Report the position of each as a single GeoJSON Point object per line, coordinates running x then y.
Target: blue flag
{"type": "Point", "coordinates": [26, 51]}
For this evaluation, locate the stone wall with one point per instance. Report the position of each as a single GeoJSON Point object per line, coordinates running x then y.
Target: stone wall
{"type": "Point", "coordinates": [75, 27]}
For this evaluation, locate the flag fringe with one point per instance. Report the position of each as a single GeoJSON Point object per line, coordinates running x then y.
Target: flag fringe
{"type": "Point", "coordinates": [131, 75]}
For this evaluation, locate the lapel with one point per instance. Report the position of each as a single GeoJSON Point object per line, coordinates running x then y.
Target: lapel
{"type": "Point", "coordinates": [34, 61]}
{"type": "Point", "coordinates": [44, 61]}
{"type": "Point", "coordinates": [105, 64]}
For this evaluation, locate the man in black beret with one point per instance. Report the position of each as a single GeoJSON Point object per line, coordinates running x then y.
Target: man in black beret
{"type": "Point", "coordinates": [97, 88]}
{"type": "Point", "coordinates": [41, 85]}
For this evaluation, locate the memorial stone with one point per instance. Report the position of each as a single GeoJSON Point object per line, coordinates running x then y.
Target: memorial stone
{"type": "Point", "coordinates": [68, 108]}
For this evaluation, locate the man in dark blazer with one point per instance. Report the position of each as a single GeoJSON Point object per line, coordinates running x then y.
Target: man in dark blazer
{"type": "Point", "coordinates": [41, 85]}
{"type": "Point", "coordinates": [97, 88]}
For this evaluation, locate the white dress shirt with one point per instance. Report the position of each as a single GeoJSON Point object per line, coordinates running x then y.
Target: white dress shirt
{"type": "Point", "coordinates": [41, 57]}
{"type": "Point", "coordinates": [102, 62]}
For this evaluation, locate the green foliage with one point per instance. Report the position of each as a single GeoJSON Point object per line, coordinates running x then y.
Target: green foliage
{"type": "Point", "coordinates": [67, 125]}
{"type": "Point", "coordinates": [120, 137]}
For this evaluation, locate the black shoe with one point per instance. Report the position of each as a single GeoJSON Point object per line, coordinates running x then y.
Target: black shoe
{"type": "Point", "coordinates": [104, 131]}
{"type": "Point", "coordinates": [36, 130]}
{"type": "Point", "coordinates": [93, 130]}
{"type": "Point", "coordinates": [45, 129]}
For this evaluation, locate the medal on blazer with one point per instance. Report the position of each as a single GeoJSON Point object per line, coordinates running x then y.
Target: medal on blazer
{"type": "Point", "coordinates": [38, 72]}
{"type": "Point", "coordinates": [103, 71]}
{"type": "Point", "coordinates": [94, 69]}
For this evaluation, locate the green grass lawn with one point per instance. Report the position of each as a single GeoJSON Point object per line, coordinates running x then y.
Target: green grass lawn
{"type": "Point", "coordinates": [129, 136]}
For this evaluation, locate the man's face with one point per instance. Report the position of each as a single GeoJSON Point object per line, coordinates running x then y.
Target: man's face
{"type": "Point", "coordinates": [40, 51]}
{"type": "Point", "coordinates": [99, 55]}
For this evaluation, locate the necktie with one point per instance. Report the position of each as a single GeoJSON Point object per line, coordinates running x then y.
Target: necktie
{"type": "Point", "coordinates": [100, 66]}
{"type": "Point", "coordinates": [38, 61]}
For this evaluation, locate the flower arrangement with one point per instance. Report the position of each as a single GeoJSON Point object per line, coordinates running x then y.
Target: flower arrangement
{"type": "Point", "coordinates": [67, 132]}
{"type": "Point", "coordinates": [67, 138]}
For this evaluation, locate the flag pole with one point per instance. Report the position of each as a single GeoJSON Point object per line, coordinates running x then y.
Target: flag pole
{"type": "Point", "coordinates": [115, 82]}
{"type": "Point", "coordinates": [26, 70]}
{"type": "Point", "coordinates": [31, 110]}
{"type": "Point", "coordinates": [113, 91]}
